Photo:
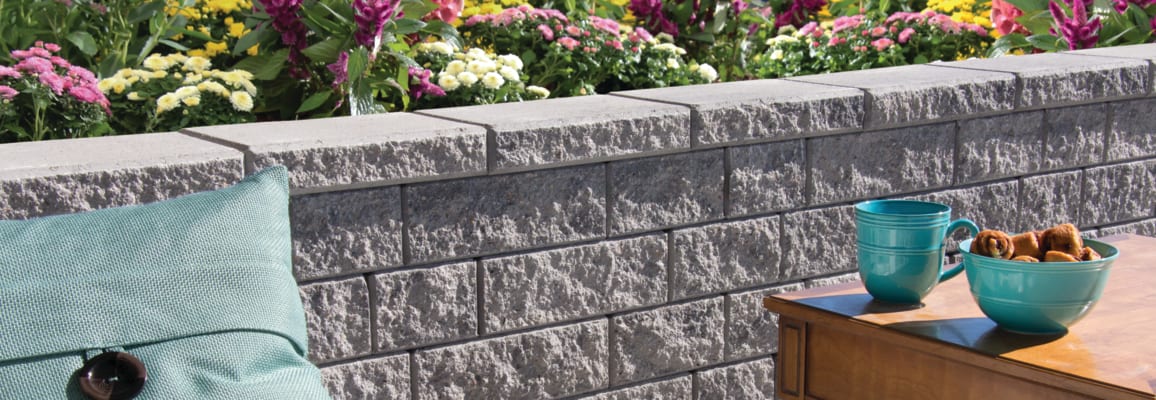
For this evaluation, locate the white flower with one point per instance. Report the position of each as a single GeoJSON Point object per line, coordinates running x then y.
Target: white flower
{"type": "Point", "coordinates": [167, 102]}
{"type": "Point", "coordinates": [197, 64]}
{"type": "Point", "coordinates": [134, 96]}
{"type": "Point", "coordinates": [538, 91]}
{"type": "Point", "coordinates": [191, 101]}
{"type": "Point", "coordinates": [481, 67]}
{"type": "Point", "coordinates": [242, 101]}
{"type": "Point", "coordinates": [777, 54]}
{"type": "Point", "coordinates": [157, 62]}
{"type": "Point", "coordinates": [213, 87]}
{"type": "Point", "coordinates": [493, 80]}
{"type": "Point", "coordinates": [455, 67]}
{"type": "Point", "coordinates": [187, 91]}
{"type": "Point", "coordinates": [476, 54]}
{"type": "Point", "coordinates": [672, 63]}
{"type": "Point", "coordinates": [467, 78]}
{"type": "Point", "coordinates": [437, 47]}
{"type": "Point", "coordinates": [449, 82]}
{"type": "Point", "coordinates": [192, 79]}
{"type": "Point", "coordinates": [509, 73]}
{"type": "Point", "coordinates": [511, 60]}
{"type": "Point", "coordinates": [707, 72]}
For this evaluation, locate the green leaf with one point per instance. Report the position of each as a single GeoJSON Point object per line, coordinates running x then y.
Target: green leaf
{"type": "Point", "coordinates": [145, 11]}
{"type": "Point", "coordinates": [1028, 6]}
{"type": "Point", "coordinates": [83, 42]}
{"type": "Point", "coordinates": [324, 52]}
{"type": "Point", "coordinates": [265, 66]}
{"type": "Point", "coordinates": [358, 62]}
{"type": "Point", "coordinates": [1036, 22]}
{"type": "Point", "coordinates": [705, 37]}
{"type": "Point", "coordinates": [361, 100]}
{"type": "Point", "coordinates": [1007, 43]}
{"type": "Point", "coordinates": [194, 34]}
{"type": "Point", "coordinates": [417, 9]}
{"type": "Point", "coordinates": [174, 45]}
{"type": "Point", "coordinates": [407, 26]}
{"type": "Point", "coordinates": [445, 31]}
{"type": "Point", "coordinates": [314, 101]}
{"type": "Point", "coordinates": [249, 39]}
{"type": "Point", "coordinates": [1047, 42]}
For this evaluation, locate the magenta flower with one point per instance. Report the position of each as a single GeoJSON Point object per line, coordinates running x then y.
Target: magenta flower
{"type": "Point", "coordinates": [293, 32]}
{"type": "Point", "coordinates": [371, 16]}
{"type": "Point", "coordinates": [650, 11]}
{"type": "Point", "coordinates": [448, 10]}
{"type": "Point", "coordinates": [547, 33]}
{"type": "Point", "coordinates": [55, 82]}
{"type": "Point", "coordinates": [7, 92]}
{"type": "Point", "coordinates": [340, 69]}
{"type": "Point", "coordinates": [9, 72]}
{"type": "Point", "coordinates": [35, 65]}
{"type": "Point", "coordinates": [1077, 30]}
{"type": "Point", "coordinates": [420, 84]}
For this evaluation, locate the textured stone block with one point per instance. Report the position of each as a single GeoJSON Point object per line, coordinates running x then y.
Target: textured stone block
{"type": "Point", "coordinates": [1052, 79]}
{"type": "Point", "coordinates": [766, 178]}
{"type": "Point", "coordinates": [724, 257]}
{"type": "Point", "coordinates": [666, 340]}
{"type": "Point", "coordinates": [1075, 136]}
{"type": "Point", "coordinates": [921, 93]}
{"type": "Point", "coordinates": [1049, 200]}
{"type": "Point", "coordinates": [880, 163]}
{"type": "Point", "coordinates": [818, 242]}
{"type": "Point", "coordinates": [342, 232]}
{"type": "Point", "coordinates": [357, 151]}
{"type": "Point", "coordinates": [1145, 228]}
{"type": "Point", "coordinates": [832, 280]}
{"type": "Point", "coordinates": [750, 380]}
{"type": "Point", "coordinates": [542, 364]}
{"type": "Point", "coordinates": [751, 329]}
{"type": "Point", "coordinates": [991, 206]}
{"type": "Point", "coordinates": [385, 378]}
{"type": "Point", "coordinates": [67, 176]}
{"type": "Point", "coordinates": [678, 388]}
{"type": "Point", "coordinates": [572, 283]}
{"type": "Point", "coordinates": [732, 112]}
{"type": "Point", "coordinates": [477, 216]}
{"type": "Point", "coordinates": [337, 319]}
{"type": "Point", "coordinates": [425, 306]}
{"type": "Point", "coordinates": [571, 130]}
{"type": "Point", "coordinates": [659, 192]}
{"type": "Point", "coordinates": [1118, 193]}
{"type": "Point", "coordinates": [1133, 132]}
{"type": "Point", "coordinates": [998, 147]}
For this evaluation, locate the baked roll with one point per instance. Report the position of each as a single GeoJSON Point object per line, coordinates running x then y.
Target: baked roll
{"type": "Point", "coordinates": [993, 244]}
{"type": "Point", "coordinates": [1028, 244]}
{"type": "Point", "coordinates": [1064, 238]}
{"type": "Point", "coordinates": [1059, 256]}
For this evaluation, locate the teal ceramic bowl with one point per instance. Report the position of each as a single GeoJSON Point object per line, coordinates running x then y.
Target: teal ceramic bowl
{"type": "Point", "coordinates": [1037, 298]}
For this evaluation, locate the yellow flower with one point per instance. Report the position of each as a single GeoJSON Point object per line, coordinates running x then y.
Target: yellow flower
{"type": "Point", "coordinates": [214, 48]}
{"type": "Point", "coordinates": [185, 92]}
{"type": "Point", "coordinates": [157, 62]}
{"type": "Point", "coordinates": [236, 30]}
{"type": "Point", "coordinates": [167, 102]}
{"type": "Point", "coordinates": [213, 87]}
{"type": "Point", "coordinates": [252, 50]}
{"type": "Point", "coordinates": [538, 91]}
{"type": "Point", "coordinates": [177, 58]}
{"type": "Point", "coordinates": [192, 79]}
{"type": "Point", "coordinates": [242, 101]}
{"type": "Point", "coordinates": [159, 74]}
{"type": "Point", "coordinates": [197, 64]}
{"type": "Point", "coordinates": [192, 101]}
{"type": "Point", "coordinates": [134, 96]}
{"type": "Point", "coordinates": [196, 53]}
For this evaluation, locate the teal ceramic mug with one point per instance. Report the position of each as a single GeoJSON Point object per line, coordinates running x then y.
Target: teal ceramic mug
{"type": "Point", "coordinates": [900, 247]}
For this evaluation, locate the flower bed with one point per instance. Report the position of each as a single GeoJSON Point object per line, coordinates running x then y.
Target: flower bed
{"type": "Point", "coordinates": [165, 65]}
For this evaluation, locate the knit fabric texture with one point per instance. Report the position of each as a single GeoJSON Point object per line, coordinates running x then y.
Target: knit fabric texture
{"type": "Point", "coordinates": [199, 288]}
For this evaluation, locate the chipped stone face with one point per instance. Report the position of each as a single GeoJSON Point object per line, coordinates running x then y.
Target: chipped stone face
{"type": "Point", "coordinates": [652, 193]}
{"type": "Point", "coordinates": [541, 364]}
{"type": "Point", "coordinates": [676, 338]}
{"type": "Point", "coordinates": [1118, 193]}
{"type": "Point", "coordinates": [1075, 136]}
{"type": "Point", "coordinates": [384, 378]}
{"type": "Point", "coordinates": [880, 163]}
{"type": "Point", "coordinates": [572, 283]}
{"type": "Point", "coordinates": [751, 329]}
{"type": "Point", "coordinates": [818, 242]}
{"type": "Point", "coordinates": [1049, 200]}
{"type": "Point", "coordinates": [999, 147]}
{"type": "Point", "coordinates": [337, 319]}
{"type": "Point", "coordinates": [750, 380]}
{"type": "Point", "coordinates": [672, 389]}
{"type": "Point", "coordinates": [1133, 132]}
{"type": "Point", "coordinates": [990, 206]}
{"type": "Point", "coordinates": [766, 178]}
{"type": "Point", "coordinates": [477, 216]}
{"type": "Point", "coordinates": [1056, 78]}
{"type": "Point", "coordinates": [425, 306]}
{"type": "Point", "coordinates": [723, 257]}
{"type": "Point", "coordinates": [341, 232]}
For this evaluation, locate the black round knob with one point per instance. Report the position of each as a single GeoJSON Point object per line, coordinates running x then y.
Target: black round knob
{"type": "Point", "coordinates": [112, 376]}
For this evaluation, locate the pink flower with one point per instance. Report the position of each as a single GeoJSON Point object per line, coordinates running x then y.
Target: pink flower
{"type": "Point", "coordinates": [845, 23]}
{"type": "Point", "coordinates": [35, 65]}
{"type": "Point", "coordinates": [86, 94]}
{"type": "Point", "coordinates": [878, 31]}
{"type": "Point", "coordinates": [882, 44]}
{"type": "Point", "coordinates": [448, 10]}
{"type": "Point", "coordinates": [568, 42]}
{"type": "Point", "coordinates": [53, 47]}
{"type": "Point", "coordinates": [1152, 23]}
{"type": "Point", "coordinates": [614, 44]}
{"type": "Point", "coordinates": [420, 84]}
{"type": "Point", "coordinates": [906, 35]}
{"type": "Point", "coordinates": [476, 19]}
{"type": "Point", "coordinates": [31, 52]}
{"type": "Point", "coordinates": [340, 69]}
{"type": "Point", "coordinates": [81, 75]}
{"type": "Point", "coordinates": [547, 33]}
{"type": "Point", "coordinates": [9, 72]}
{"type": "Point", "coordinates": [548, 13]}
{"type": "Point", "coordinates": [59, 61]}
{"type": "Point", "coordinates": [606, 25]}
{"type": "Point", "coordinates": [55, 82]}
{"type": "Point", "coordinates": [7, 92]}
{"type": "Point", "coordinates": [574, 30]}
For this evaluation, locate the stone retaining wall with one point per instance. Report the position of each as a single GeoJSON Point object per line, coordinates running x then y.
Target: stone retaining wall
{"type": "Point", "coordinates": [618, 246]}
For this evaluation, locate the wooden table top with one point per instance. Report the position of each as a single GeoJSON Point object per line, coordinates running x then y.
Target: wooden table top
{"type": "Point", "coordinates": [1114, 344]}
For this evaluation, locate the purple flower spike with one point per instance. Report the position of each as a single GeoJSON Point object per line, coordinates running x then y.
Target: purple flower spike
{"type": "Point", "coordinates": [371, 16]}
{"type": "Point", "coordinates": [1077, 30]}
{"type": "Point", "coordinates": [293, 32]}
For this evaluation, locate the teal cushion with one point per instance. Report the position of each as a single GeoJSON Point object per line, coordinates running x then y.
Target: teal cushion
{"type": "Point", "coordinates": [198, 288]}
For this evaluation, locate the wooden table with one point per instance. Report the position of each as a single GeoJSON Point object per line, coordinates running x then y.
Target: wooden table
{"type": "Point", "coordinates": [837, 343]}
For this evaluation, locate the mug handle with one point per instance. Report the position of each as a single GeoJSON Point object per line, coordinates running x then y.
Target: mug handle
{"type": "Point", "coordinates": [959, 223]}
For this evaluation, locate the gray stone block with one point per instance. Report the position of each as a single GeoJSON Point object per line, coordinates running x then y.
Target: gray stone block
{"type": "Point", "coordinates": [1145, 228]}
{"type": "Point", "coordinates": [572, 283]}
{"type": "Point", "coordinates": [920, 93]}
{"type": "Point", "coordinates": [766, 178]}
{"type": "Point", "coordinates": [67, 176]}
{"type": "Point", "coordinates": [731, 112]}
{"type": "Point", "coordinates": [542, 364]}
{"type": "Point", "coordinates": [751, 329]}
{"type": "Point", "coordinates": [1118, 193]}
{"type": "Point", "coordinates": [385, 378]}
{"type": "Point", "coordinates": [749, 380]}
{"type": "Point", "coordinates": [991, 206]}
{"type": "Point", "coordinates": [1133, 132]}
{"type": "Point", "coordinates": [341, 232]}
{"type": "Point", "coordinates": [659, 192]}
{"type": "Point", "coordinates": [377, 150]}
{"type": "Point", "coordinates": [1075, 136]}
{"type": "Point", "coordinates": [1052, 79]}
{"type": "Point", "coordinates": [678, 388]}
{"type": "Point", "coordinates": [832, 280]}
{"type": "Point", "coordinates": [999, 147]}
{"type": "Point", "coordinates": [818, 242]}
{"type": "Point", "coordinates": [880, 163]}
{"type": "Point", "coordinates": [666, 340]}
{"type": "Point", "coordinates": [425, 306]}
{"type": "Point", "coordinates": [574, 130]}
{"type": "Point", "coordinates": [724, 257]}
{"type": "Point", "coordinates": [1049, 200]}
{"type": "Point", "coordinates": [478, 216]}
{"type": "Point", "coordinates": [337, 319]}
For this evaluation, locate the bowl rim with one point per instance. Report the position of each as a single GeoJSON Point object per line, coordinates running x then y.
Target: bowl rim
{"type": "Point", "coordinates": [1049, 266]}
